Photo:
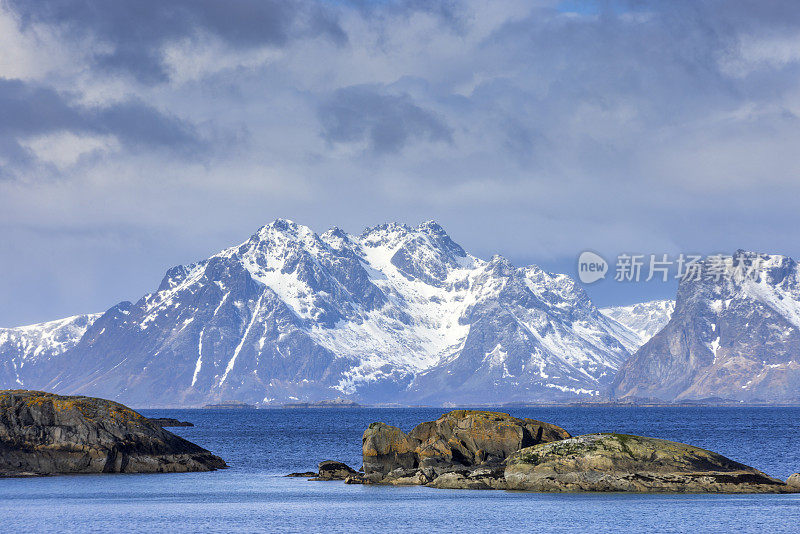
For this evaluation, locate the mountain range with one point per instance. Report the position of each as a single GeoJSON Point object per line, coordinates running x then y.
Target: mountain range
{"type": "Point", "coordinates": [397, 314]}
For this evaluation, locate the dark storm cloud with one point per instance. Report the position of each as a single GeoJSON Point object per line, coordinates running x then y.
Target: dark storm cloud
{"type": "Point", "coordinates": [387, 122]}
{"type": "Point", "coordinates": [137, 30]}
{"type": "Point", "coordinates": [28, 110]}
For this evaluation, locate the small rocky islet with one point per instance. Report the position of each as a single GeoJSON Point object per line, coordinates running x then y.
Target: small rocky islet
{"type": "Point", "coordinates": [46, 434]}
{"type": "Point", "coordinates": [470, 449]}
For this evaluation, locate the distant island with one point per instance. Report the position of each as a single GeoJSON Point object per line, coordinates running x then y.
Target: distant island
{"type": "Point", "coordinates": [230, 405]}
{"type": "Point", "coordinates": [331, 403]}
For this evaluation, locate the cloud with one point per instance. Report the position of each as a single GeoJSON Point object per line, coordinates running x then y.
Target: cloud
{"type": "Point", "coordinates": [385, 122]}
{"type": "Point", "coordinates": [36, 118]}
{"type": "Point", "coordinates": [130, 34]}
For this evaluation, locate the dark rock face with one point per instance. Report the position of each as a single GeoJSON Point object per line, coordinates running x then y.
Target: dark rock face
{"type": "Point", "coordinates": [332, 470]}
{"type": "Point", "coordinates": [45, 433]}
{"type": "Point", "coordinates": [734, 338]}
{"type": "Point", "coordinates": [459, 440]}
{"type": "Point", "coordinates": [168, 421]}
{"type": "Point", "coordinates": [618, 462]}
{"type": "Point", "coordinates": [329, 470]}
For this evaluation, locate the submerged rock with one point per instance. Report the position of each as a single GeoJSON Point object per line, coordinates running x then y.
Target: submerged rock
{"type": "Point", "coordinates": [44, 433]}
{"type": "Point", "coordinates": [168, 421]}
{"type": "Point", "coordinates": [618, 462]}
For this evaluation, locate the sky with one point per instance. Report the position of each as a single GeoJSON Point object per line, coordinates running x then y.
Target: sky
{"type": "Point", "coordinates": [138, 135]}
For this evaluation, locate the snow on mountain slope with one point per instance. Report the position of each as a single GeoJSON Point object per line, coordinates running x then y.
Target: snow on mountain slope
{"type": "Point", "coordinates": [736, 337]}
{"type": "Point", "coordinates": [643, 319]}
{"type": "Point", "coordinates": [396, 314]}
{"type": "Point", "coordinates": [40, 342]}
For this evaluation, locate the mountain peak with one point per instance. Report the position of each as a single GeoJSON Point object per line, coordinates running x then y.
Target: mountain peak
{"type": "Point", "coordinates": [431, 227]}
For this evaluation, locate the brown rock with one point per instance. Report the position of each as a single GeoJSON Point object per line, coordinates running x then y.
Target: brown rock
{"type": "Point", "coordinates": [386, 448]}
{"type": "Point", "coordinates": [794, 481]}
{"type": "Point", "coordinates": [457, 440]}
{"type": "Point", "coordinates": [472, 437]}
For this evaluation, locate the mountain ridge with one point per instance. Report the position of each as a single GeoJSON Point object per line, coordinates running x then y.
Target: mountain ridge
{"type": "Point", "coordinates": [292, 315]}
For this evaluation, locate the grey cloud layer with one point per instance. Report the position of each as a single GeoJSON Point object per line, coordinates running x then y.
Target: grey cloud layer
{"type": "Point", "coordinates": [386, 122]}
{"type": "Point", "coordinates": [535, 130]}
{"type": "Point", "coordinates": [29, 110]}
{"type": "Point", "coordinates": [137, 30]}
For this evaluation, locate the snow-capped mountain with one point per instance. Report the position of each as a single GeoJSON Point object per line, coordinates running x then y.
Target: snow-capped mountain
{"type": "Point", "coordinates": [37, 345]}
{"type": "Point", "coordinates": [734, 335]}
{"type": "Point", "coordinates": [396, 314]}
{"type": "Point", "coordinates": [643, 319]}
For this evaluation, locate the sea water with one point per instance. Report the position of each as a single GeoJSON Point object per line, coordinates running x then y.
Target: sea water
{"type": "Point", "coordinates": [261, 446]}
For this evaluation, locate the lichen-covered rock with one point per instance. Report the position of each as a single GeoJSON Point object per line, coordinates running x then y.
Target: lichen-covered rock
{"type": "Point", "coordinates": [459, 439]}
{"type": "Point", "coordinates": [43, 433]}
{"type": "Point", "coordinates": [386, 448]}
{"type": "Point", "coordinates": [473, 437]}
{"type": "Point", "coordinates": [794, 481]}
{"type": "Point", "coordinates": [618, 462]}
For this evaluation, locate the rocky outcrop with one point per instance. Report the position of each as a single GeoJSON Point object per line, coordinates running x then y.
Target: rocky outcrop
{"type": "Point", "coordinates": [44, 433]}
{"type": "Point", "coordinates": [467, 449]}
{"type": "Point", "coordinates": [619, 462]}
{"type": "Point", "coordinates": [457, 442]}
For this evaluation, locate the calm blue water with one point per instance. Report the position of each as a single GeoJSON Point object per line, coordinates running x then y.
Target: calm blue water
{"type": "Point", "coordinates": [262, 445]}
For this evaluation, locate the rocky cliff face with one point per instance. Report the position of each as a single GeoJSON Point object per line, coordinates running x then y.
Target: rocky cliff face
{"type": "Point", "coordinates": [43, 433]}
{"type": "Point", "coordinates": [396, 314]}
{"type": "Point", "coordinates": [736, 337]}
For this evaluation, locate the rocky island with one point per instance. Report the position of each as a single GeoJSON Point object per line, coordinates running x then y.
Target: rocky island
{"type": "Point", "coordinates": [467, 449]}
{"type": "Point", "coordinates": [44, 434]}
